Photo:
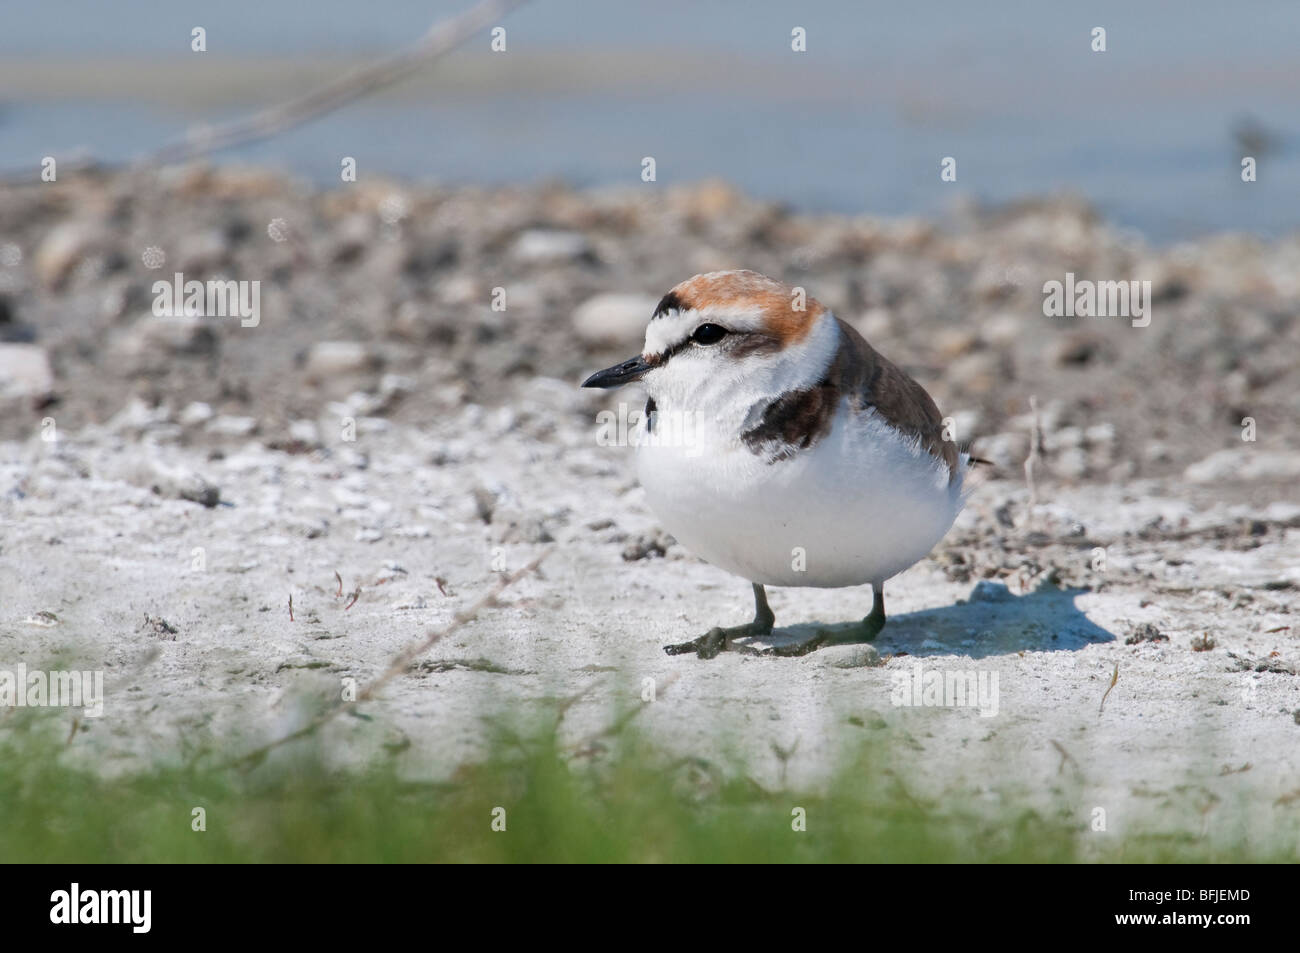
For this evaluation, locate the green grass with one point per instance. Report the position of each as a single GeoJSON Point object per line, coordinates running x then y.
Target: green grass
{"type": "Point", "coordinates": [627, 803]}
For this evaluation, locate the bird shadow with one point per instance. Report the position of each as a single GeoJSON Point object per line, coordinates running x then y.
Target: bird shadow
{"type": "Point", "coordinates": [991, 621]}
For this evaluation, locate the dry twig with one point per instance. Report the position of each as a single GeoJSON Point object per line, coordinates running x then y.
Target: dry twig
{"type": "Point", "coordinates": [441, 39]}
{"type": "Point", "coordinates": [619, 723]}
{"type": "Point", "coordinates": [399, 664]}
{"type": "Point", "coordinates": [1113, 679]}
{"type": "Point", "coordinates": [1031, 461]}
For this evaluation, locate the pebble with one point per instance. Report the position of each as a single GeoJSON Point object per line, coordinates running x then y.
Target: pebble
{"type": "Point", "coordinates": [195, 413]}
{"type": "Point", "coordinates": [546, 246]}
{"type": "Point", "coordinates": [137, 417]}
{"type": "Point", "coordinates": [332, 359]}
{"type": "Point", "coordinates": [305, 431]}
{"type": "Point", "coordinates": [179, 482]}
{"type": "Point", "coordinates": [988, 591]}
{"type": "Point", "coordinates": [1146, 632]}
{"type": "Point", "coordinates": [25, 372]}
{"type": "Point", "coordinates": [850, 656]}
{"type": "Point", "coordinates": [648, 546]}
{"type": "Point", "coordinates": [229, 426]}
{"type": "Point", "coordinates": [64, 247]}
{"type": "Point", "coordinates": [151, 342]}
{"type": "Point", "coordinates": [1245, 463]}
{"type": "Point", "coordinates": [610, 319]}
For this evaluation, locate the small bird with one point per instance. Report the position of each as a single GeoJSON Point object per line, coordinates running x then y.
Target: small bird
{"type": "Point", "coordinates": [779, 445]}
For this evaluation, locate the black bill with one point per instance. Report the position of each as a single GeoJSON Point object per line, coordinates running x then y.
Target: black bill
{"type": "Point", "coordinates": [619, 374]}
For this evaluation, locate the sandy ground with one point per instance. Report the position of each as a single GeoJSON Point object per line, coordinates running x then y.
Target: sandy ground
{"type": "Point", "coordinates": [186, 608]}
{"type": "Point", "coordinates": [163, 532]}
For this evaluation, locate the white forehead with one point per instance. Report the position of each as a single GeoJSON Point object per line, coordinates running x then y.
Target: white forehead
{"type": "Point", "coordinates": [674, 326]}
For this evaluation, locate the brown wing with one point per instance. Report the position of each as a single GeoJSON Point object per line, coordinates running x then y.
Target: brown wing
{"type": "Point", "coordinates": [871, 379]}
{"type": "Point", "coordinates": [796, 421]}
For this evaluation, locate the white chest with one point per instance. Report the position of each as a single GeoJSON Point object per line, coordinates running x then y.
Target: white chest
{"type": "Point", "coordinates": [861, 505]}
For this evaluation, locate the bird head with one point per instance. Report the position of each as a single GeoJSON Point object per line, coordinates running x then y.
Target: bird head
{"type": "Point", "coordinates": [726, 340]}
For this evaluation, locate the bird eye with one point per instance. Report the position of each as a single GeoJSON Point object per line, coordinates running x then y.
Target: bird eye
{"type": "Point", "coordinates": [708, 334]}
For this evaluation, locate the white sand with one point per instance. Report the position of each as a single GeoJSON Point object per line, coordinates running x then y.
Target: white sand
{"type": "Point", "coordinates": [87, 539]}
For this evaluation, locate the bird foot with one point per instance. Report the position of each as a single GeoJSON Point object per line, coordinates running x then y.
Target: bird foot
{"type": "Point", "coordinates": [718, 639]}
{"type": "Point", "coordinates": [864, 631]}
{"type": "Point", "coordinates": [795, 649]}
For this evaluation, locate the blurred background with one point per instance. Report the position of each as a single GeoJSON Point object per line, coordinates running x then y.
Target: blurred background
{"type": "Point", "coordinates": [1150, 132]}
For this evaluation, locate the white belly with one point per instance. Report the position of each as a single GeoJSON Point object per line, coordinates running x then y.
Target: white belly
{"type": "Point", "coordinates": [860, 506]}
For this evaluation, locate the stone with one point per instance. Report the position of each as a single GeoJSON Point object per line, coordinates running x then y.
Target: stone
{"type": "Point", "coordinates": [64, 247]}
{"type": "Point", "coordinates": [331, 359]}
{"type": "Point", "coordinates": [1245, 463]}
{"type": "Point", "coordinates": [614, 319]}
{"type": "Point", "coordinates": [25, 372]}
{"type": "Point", "coordinates": [850, 656]}
{"type": "Point", "coordinates": [229, 426]}
{"type": "Point", "coordinates": [196, 412]}
{"type": "Point", "coordinates": [549, 246]}
{"type": "Point", "coordinates": [988, 591]}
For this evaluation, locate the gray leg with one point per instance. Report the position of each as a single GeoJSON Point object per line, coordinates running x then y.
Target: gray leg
{"type": "Point", "coordinates": [865, 631]}
{"type": "Point", "coordinates": [876, 621]}
{"type": "Point", "coordinates": [719, 639]}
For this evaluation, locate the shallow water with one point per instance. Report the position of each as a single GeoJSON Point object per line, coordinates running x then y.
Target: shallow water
{"type": "Point", "coordinates": [1147, 131]}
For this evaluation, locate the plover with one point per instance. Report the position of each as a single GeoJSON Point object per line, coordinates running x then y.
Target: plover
{"type": "Point", "coordinates": [807, 458]}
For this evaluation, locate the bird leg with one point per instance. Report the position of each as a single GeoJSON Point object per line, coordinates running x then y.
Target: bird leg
{"type": "Point", "coordinates": [864, 631]}
{"type": "Point", "coordinates": [873, 623]}
{"type": "Point", "coordinates": [719, 639]}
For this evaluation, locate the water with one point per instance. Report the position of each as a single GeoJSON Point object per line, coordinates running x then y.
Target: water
{"type": "Point", "coordinates": [860, 122]}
